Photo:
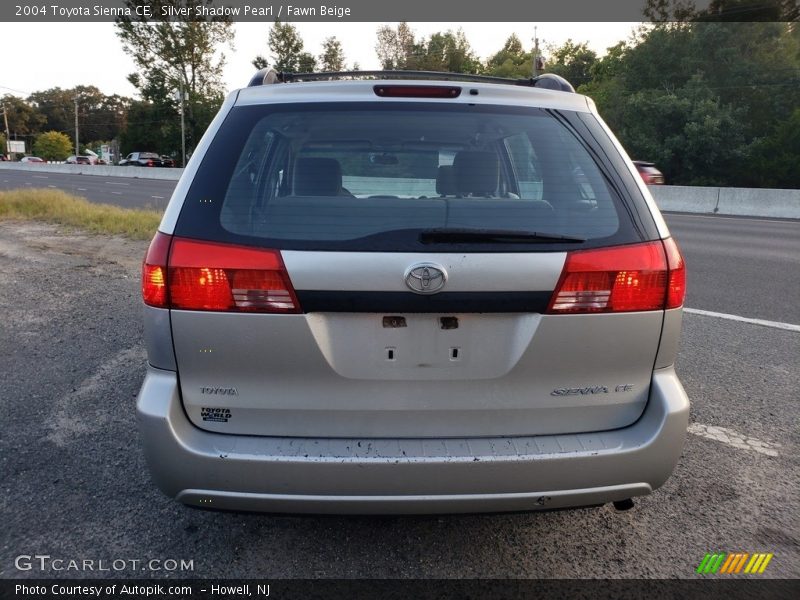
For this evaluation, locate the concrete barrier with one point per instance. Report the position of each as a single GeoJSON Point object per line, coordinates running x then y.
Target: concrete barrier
{"type": "Point", "coordinates": [677, 198]}
{"type": "Point", "coordinates": [762, 203]}
{"type": "Point", "coordinates": [97, 170]}
{"type": "Point", "coordinates": [751, 202]}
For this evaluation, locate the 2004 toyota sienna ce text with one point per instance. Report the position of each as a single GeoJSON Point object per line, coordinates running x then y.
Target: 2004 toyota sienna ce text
{"type": "Point", "coordinates": [411, 295]}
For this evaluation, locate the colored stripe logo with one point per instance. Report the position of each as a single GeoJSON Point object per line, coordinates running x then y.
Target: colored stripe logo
{"type": "Point", "coordinates": [734, 562]}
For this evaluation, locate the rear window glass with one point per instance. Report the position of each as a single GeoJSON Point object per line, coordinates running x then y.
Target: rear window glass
{"type": "Point", "coordinates": [358, 176]}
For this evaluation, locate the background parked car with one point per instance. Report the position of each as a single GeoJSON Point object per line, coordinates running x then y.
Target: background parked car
{"type": "Point", "coordinates": [31, 159]}
{"type": "Point", "coordinates": [79, 160]}
{"type": "Point", "coordinates": [649, 173]}
{"type": "Point", "coordinates": [142, 159]}
{"type": "Point", "coordinates": [168, 162]}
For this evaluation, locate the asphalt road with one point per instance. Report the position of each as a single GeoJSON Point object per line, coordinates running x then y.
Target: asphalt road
{"type": "Point", "coordinates": [75, 485]}
{"type": "Point", "coordinates": [121, 191]}
{"type": "Point", "coordinates": [742, 266]}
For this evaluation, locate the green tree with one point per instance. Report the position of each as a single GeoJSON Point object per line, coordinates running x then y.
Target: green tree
{"type": "Point", "coordinates": [332, 58]}
{"type": "Point", "coordinates": [153, 123]}
{"type": "Point", "coordinates": [52, 145]}
{"type": "Point", "coordinates": [399, 49]}
{"type": "Point", "coordinates": [177, 54]}
{"type": "Point", "coordinates": [149, 130]}
{"type": "Point", "coordinates": [447, 51]}
{"type": "Point", "coordinates": [775, 157]}
{"type": "Point", "coordinates": [286, 45]}
{"type": "Point", "coordinates": [306, 63]}
{"type": "Point", "coordinates": [57, 107]}
{"type": "Point", "coordinates": [396, 48]}
{"type": "Point", "coordinates": [23, 118]}
{"type": "Point", "coordinates": [572, 61]}
{"type": "Point", "coordinates": [690, 133]}
{"type": "Point", "coordinates": [511, 60]}
{"type": "Point", "coordinates": [708, 102]}
{"type": "Point", "coordinates": [99, 116]}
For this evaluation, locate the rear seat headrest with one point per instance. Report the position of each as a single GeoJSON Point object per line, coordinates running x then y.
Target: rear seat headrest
{"type": "Point", "coordinates": [446, 181]}
{"type": "Point", "coordinates": [317, 177]}
{"type": "Point", "coordinates": [476, 172]}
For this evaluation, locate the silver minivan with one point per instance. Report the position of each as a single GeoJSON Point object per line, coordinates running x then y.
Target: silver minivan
{"type": "Point", "coordinates": [411, 293]}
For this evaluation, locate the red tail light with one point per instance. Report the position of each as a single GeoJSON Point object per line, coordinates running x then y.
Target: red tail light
{"type": "Point", "coordinates": [154, 272]}
{"type": "Point", "coordinates": [648, 276]}
{"type": "Point", "coordinates": [676, 287]}
{"type": "Point", "coordinates": [222, 277]}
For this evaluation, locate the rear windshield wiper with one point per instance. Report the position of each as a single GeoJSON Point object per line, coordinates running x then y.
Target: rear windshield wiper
{"type": "Point", "coordinates": [503, 236]}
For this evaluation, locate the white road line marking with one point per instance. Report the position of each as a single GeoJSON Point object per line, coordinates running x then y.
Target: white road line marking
{"type": "Point", "coordinates": [762, 322]}
{"type": "Point", "coordinates": [158, 197]}
{"type": "Point", "coordinates": [116, 183]}
{"type": "Point", "coordinates": [733, 438]}
{"type": "Point", "coordinates": [117, 193]}
{"type": "Point", "coordinates": [51, 186]}
{"type": "Point", "coordinates": [40, 176]}
{"type": "Point", "coordinates": [81, 189]}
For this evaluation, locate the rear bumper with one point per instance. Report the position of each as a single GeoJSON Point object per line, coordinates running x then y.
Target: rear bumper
{"type": "Point", "coordinates": [383, 476]}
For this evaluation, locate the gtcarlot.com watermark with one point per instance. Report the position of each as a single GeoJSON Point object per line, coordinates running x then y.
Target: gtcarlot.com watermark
{"type": "Point", "coordinates": [47, 563]}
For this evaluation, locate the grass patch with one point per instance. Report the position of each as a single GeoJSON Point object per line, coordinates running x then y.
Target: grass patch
{"type": "Point", "coordinates": [55, 206]}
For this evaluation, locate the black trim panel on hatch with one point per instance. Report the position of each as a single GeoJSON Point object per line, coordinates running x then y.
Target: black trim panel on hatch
{"type": "Point", "coordinates": [407, 302]}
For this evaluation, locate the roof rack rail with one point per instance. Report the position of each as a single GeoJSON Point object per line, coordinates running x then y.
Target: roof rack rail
{"type": "Point", "coordinates": [550, 81]}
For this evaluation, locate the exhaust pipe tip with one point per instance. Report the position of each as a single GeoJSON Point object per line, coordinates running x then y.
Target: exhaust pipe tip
{"type": "Point", "coordinates": [623, 505]}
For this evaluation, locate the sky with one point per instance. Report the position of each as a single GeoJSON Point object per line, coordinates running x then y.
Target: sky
{"type": "Point", "coordinates": [91, 54]}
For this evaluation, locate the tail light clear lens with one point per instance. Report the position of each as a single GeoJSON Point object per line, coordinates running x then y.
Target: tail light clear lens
{"type": "Point", "coordinates": [676, 288]}
{"type": "Point", "coordinates": [222, 277]}
{"type": "Point", "coordinates": [639, 277]}
{"type": "Point", "coordinates": [154, 272]}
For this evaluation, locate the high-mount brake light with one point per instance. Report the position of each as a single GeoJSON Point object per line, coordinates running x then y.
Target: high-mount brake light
{"type": "Point", "coordinates": [217, 277]}
{"type": "Point", "coordinates": [417, 91]}
{"type": "Point", "coordinates": [638, 277]}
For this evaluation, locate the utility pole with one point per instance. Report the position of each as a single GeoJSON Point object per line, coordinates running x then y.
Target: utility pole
{"type": "Point", "coordinates": [537, 66]}
{"type": "Point", "coordinates": [183, 127]}
{"type": "Point", "coordinates": [77, 147]}
{"type": "Point", "coordinates": [8, 134]}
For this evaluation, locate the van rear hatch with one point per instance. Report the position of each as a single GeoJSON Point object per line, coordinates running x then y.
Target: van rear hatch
{"type": "Point", "coordinates": [412, 269]}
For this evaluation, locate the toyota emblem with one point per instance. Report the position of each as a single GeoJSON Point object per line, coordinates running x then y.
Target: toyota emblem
{"type": "Point", "coordinates": [425, 278]}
